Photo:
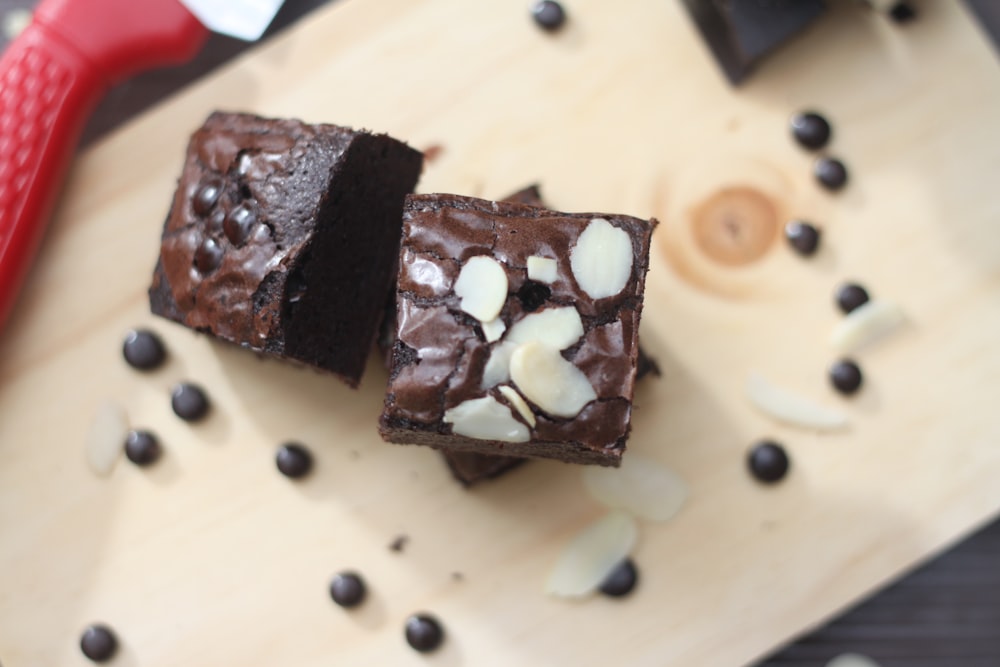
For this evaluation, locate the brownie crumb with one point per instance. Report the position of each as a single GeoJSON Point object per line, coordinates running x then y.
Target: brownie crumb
{"type": "Point", "coordinates": [432, 153]}
{"type": "Point", "coordinates": [399, 543]}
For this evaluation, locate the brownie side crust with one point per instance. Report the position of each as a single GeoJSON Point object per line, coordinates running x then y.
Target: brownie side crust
{"type": "Point", "coordinates": [441, 352]}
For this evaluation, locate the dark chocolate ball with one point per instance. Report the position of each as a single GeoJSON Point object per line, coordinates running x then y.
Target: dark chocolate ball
{"type": "Point", "coordinates": [98, 642]}
{"type": "Point", "coordinates": [348, 589]}
{"type": "Point", "coordinates": [802, 236]}
{"type": "Point", "coordinates": [293, 460]}
{"type": "Point", "coordinates": [810, 129]}
{"type": "Point", "coordinates": [622, 579]}
{"type": "Point", "coordinates": [424, 633]}
{"type": "Point", "coordinates": [205, 198]}
{"type": "Point", "coordinates": [208, 256]}
{"type": "Point", "coordinates": [851, 296]}
{"type": "Point", "coordinates": [768, 462]}
{"type": "Point", "coordinates": [845, 376]}
{"type": "Point", "coordinates": [189, 402]}
{"type": "Point", "coordinates": [549, 14]}
{"type": "Point", "coordinates": [143, 349]}
{"type": "Point", "coordinates": [142, 447]}
{"type": "Point", "coordinates": [830, 173]}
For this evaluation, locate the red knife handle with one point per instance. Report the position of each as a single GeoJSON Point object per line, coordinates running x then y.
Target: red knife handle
{"type": "Point", "coordinates": [46, 93]}
{"type": "Point", "coordinates": [51, 77]}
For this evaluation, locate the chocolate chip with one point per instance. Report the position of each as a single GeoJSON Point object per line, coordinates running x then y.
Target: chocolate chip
{"type": "Point", "coordinates": [831, 173]}
{"type": "Point", "coordinates": [99, 643]}
{"type": "Point", "coordinates": [424, 633]}
{"type": "Point", "coordinates": [533, 295]}
{"type": "Point", "coordinates": [768, 462]}
{"type": "Point", "coordinates": [189, 402]}
{"type": "Point", "coordinates": [216, 221]}
{"type": "Point", "coordinates": [143, 349]}
{"type": "Point", "coordinates": [348, 589]}
{"type": "Point", "coordinates": [238, 224]}
{"type": "Point", "coordinates": [845, 376]}
{"type": "Point", "coordinates": [142, 447]}
{"type": "Point", "coordinates": [851, 296]}
{"type": "Point", "coordinates": [810, 129]}
{"type": "Point", "coordinates": [902, 12]}
{"type": "Point", "coordinates": [208, 256]}
{"type": "Point", "coordinates": [549, 14]}
{"type": "Point", "coordinates": [622, 580]}
{"type": "Point", "coordinates": [206, 197]}
{"type": "Point", "coordinates": [802, 236]}
{"type": "Point", "coordinates": [294, 460]}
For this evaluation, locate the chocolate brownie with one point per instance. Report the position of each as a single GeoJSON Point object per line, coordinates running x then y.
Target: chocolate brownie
{"type": "Point", "coordinates": [283, 238]}
{"type": "Point", "coordinates": [516, 329]}
{"type": "Point", "coordinates": [470, 468]}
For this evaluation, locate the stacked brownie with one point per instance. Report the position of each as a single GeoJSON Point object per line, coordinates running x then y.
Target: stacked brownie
{"type": "Point", "coordinates": [515, 331]}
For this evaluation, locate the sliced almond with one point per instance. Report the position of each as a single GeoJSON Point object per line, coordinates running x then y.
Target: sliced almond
{"type": "Point", "coordinates": [497, 370]}
{"type": "Point", "coordinates": [865, 324]}
{"type": "Point", "coordinates": [591, 556]}
{"type": "Point", "coordinates": [791, 408]}
{"type": "Point", "coordinates": [549, 381]}
{"type": "Point", "coordinates": [106, 438]}
{"type": "Point", "coordinates": [519, 404]}
{"type": "Point", "coordinates": [640, 485]}
{"type": "Point", "coordinates": [602, 259]}
{"type": "Point", "coordinates": [486, 419]}
{"type": "Point", "coordinates": [852, 660]}
{"type": "Point", "coordinates": [493, 329]}
{"type": "Point", "coordinates": [482, 286]}
{"type": "Point", "coordinates": [556, 327]}
{"type": "Point", "coordinates": [542, 269]}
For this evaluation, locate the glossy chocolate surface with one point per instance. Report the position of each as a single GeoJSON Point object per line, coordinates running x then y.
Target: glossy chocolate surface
{"type": "Point", "coordinates": [258, 200]}
{"type": "Point", "coordinates": [441, 353]}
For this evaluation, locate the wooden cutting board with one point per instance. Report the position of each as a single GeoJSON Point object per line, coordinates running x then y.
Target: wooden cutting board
{"type": "Point", "coordinates": [211, 557]}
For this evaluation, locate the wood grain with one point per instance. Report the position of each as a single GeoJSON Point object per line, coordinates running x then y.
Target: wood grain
{"type": "Point", "coordinates": [212, 557]}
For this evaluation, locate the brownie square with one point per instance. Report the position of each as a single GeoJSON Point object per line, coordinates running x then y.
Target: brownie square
{"type": "Point", "coordinates": [283, 238]}
{"type": "Point", "coordinates": [516, 329]}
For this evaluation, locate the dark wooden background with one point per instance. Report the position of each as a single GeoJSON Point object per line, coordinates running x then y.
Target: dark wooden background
{"type": "Point", "coordinates": [944, 614]}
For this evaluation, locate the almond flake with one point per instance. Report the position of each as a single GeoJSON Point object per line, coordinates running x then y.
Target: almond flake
{"type": "Point", "coordinates": [486, 419]}
{"type": "Point", "coordinates": [519, 403]}
{"type": "Point", "coordinates": [791, 408]}
{"type": "Point", "coordinates": [556, 327]}
{"type": "Point", "coordinates": [591, 556]}
{"type": "Point", "coordinates": [482, 286]}
{"type": "Point", "coordinates": [106, 438]}
{"type": "Point", "coordinates": [549, 381]}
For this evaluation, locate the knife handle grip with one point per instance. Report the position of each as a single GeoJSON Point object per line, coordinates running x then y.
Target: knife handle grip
{"type": "Point", "coordinates": [47, 92]}
{"type": "Point", "coordinates": [51, 77]}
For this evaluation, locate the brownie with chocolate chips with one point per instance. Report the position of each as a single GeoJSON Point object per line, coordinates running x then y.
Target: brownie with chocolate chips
{"type": "Point", "coordinates": [283, 237]}
{"type": "Point", "coordinates": [516, 329]}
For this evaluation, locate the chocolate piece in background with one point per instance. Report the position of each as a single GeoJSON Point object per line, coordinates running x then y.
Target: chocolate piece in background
{"type": "Point", "coordinates": [741, 33]}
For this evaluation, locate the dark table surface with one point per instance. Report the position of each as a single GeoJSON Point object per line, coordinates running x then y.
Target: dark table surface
{"type": "Point", "coordinates": [944, 614]}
